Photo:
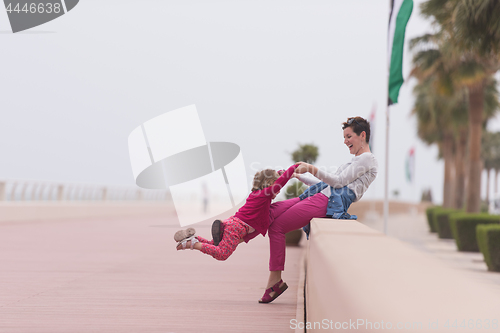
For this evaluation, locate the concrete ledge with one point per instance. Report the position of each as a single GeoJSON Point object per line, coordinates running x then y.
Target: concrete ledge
{"type": "Point", "coordinates": [358, 275]}
{"type": "Point", "coordinates": [36, 210]}
{"type": "Point", "coordinates": [362, 207]}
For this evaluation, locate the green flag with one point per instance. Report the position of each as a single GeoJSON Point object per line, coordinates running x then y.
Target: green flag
{"type": "Point", "coordinates": [400, 14]}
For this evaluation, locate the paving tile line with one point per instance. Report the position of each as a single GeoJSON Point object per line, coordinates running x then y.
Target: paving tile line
{"type": "Point", "coordinates": [300, 314]}
{"type": "Point", "coordinates": [64, 284]}
{"type": "Point", "coordinates": [47, 290]}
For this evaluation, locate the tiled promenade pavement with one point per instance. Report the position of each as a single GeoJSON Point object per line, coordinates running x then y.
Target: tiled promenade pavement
{"type": "Point", "coordinates": [124, 275]}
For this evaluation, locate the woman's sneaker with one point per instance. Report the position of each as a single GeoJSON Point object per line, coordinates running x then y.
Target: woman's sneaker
{"type": "Point", "coordinates": [217, 231]}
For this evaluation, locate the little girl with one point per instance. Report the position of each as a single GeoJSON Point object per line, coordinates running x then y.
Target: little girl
{"type": "Point", "coordinates": [253, 216]}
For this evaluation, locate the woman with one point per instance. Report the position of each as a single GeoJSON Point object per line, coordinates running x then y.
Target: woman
{"type": "Point", "coordinates": [330, 197]}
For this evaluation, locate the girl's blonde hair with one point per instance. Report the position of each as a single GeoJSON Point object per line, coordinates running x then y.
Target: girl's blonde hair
{"type": "Point", "coordinates": [264, 178]}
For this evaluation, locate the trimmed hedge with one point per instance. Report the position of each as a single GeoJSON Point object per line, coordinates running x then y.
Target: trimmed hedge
{"type": "Point", "coordinates": [442, 221]}
{"type": "Point", "coordinates": [430, 217]}
{"type": "Point", "coordinates": [488, 238]}
{"type": "Point", "coordinates": [463, 227]}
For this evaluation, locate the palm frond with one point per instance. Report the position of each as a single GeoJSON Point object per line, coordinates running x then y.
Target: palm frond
{"type": "Point", "coordinates": [425, 41]}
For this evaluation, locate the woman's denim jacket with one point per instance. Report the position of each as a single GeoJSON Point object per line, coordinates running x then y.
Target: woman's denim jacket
{"type": "Point", "coordinates": [339, 201]}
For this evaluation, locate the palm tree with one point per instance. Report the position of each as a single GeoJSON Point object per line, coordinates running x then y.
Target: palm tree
{"type": "Point", "coordinates": [438, 120]}
{"type": "Point", "coordinates": [306, 153]}
{"type": "Point", "coordinates": [442, 120]}
{"type": "Point", "coordinates": [471, 34]}
{"type": "Point", "coordinates": [496, 167]}
{"type": "Point", "coordinates": [491, 156]}
{"type": "Point", "coordinates": [460, 166]}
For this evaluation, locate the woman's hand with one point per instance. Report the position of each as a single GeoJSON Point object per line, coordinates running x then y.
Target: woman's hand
{"type": "Point", "coordinates": [306, 167]}
{"type": "Point", "coordinates": [303, 167]}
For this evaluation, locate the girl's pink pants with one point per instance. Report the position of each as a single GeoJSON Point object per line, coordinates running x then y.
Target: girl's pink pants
{"type": "Point", "coordinates": [234, 230]}
{"type": "Point", "coordinates": [285, 216]}
{"type": "Point", "coordinates": [288, 215]}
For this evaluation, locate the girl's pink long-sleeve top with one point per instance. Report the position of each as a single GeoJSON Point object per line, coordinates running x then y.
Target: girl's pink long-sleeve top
{"type": "Point", "coordinates": [255, 212]}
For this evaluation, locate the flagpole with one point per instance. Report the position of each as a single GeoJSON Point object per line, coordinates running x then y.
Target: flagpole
{"type": "Point", "coordinates": [400, 12]}
{"type": "Point", "coordinates": [386, 190]}
{"type": "Point", "coordinates": [386, 183]}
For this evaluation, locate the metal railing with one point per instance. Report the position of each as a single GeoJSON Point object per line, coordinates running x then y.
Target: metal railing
{"type": "Point", "coordinates": [30, 190]}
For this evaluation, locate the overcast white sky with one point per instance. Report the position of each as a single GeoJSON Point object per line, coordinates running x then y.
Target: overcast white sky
{"type": "Point", "coordinates": [266, 75]}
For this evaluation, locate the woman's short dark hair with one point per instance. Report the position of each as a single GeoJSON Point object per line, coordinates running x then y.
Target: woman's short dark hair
{"type": "Point", "coordinates": [358, 125]}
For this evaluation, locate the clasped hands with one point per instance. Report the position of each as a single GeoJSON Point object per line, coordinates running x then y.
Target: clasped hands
{"type": "Point", "coordinates": [303, 168]}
